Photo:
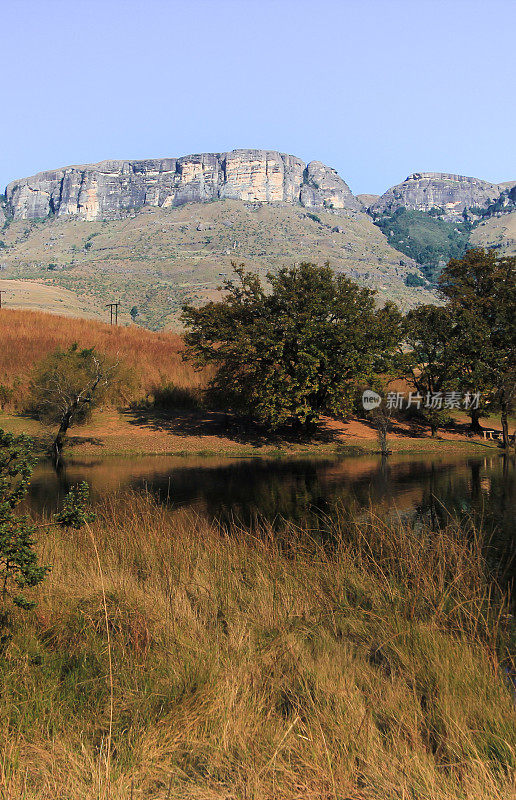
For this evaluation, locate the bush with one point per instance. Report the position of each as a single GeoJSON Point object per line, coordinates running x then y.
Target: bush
{"type": "Point", "coordinates": [315, 218]}
{"type": "Point", "coordinates": [413, 279]}
{"type": "Point", "coordinates": [171, 397]}
{"type": "Point", "coordinates": [6, 395]}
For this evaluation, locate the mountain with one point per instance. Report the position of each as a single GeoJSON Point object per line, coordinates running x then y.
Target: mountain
{"type": "Point", "coordinates": [111, 189]}
{"type": "Point", "coordinates": [426, 191]}
{"type": "Point", "coordinates": [435, 216]}
{"type": "Point", "coordinates": [156, 233]}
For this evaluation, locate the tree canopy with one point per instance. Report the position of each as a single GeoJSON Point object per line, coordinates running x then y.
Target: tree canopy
{"type": "Point", "coordinates": [296, 349]}
{"type": "Point", "coordinates": [67, 385]}
{"type": "Point", "coordinates": [430, 358]}
{"type": "Point", "coordinates": [19, 568]}
{"type": "Point", "coordinates": [480, 290]}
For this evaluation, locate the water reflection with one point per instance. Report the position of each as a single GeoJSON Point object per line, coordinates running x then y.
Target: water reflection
{"type": "Point", "coordinates": [274, 488]}
{"type": "Point", "coordinates": [243, 489]}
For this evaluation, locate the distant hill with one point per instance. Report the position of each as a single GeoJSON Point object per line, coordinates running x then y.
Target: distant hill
{"type": "Point", "coordinates": [433, 217]}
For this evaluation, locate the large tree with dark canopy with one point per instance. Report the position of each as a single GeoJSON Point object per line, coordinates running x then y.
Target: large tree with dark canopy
{"type": "Point", "coordinates": [430, 359]}
{"type": "Point", "coordinates": [296, 349]}
{"type": "Point", "coordinates": [480, 290]}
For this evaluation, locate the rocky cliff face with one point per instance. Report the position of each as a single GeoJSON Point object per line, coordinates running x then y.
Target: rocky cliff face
{"type": "Point", "coordinates": [111, 189]}
{"type": "Point", "coordinates": [424, 191]}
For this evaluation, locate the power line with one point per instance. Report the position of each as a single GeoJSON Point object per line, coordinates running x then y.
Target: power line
{"type": "Point", "coordinates": [112, 306]}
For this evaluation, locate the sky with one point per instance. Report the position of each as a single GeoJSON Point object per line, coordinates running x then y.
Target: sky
{"type": "Point", "coordinates": [377, 89]}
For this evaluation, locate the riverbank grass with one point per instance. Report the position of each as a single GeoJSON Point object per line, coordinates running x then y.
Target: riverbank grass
{"type": "Point", "coordinates": [172, 658]}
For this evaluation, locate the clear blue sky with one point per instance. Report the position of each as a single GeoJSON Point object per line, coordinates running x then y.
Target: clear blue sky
{"type": "Point", "coordinates": [375, 88]}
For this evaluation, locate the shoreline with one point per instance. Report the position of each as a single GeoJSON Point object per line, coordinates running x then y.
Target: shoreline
{"type": "Point", "coordinates": [121, 433]}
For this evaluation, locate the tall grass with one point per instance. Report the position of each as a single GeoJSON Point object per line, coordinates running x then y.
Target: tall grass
{"type": "Point", "coordinates": [256, 664]}
{"type": "Point", "coordinates": [27, 336]}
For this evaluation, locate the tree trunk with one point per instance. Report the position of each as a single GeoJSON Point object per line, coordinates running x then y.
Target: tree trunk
{"type": "Point", "coordinates": [57, 446]}
{"type": "Point", "coordinates": [382, 437]}
{"type": "Point", "coordinates": [434, 429]}
{"type": "Point", "coordinates": [505, 423]}
{"type": "Point", "coordinates": [475, 426]}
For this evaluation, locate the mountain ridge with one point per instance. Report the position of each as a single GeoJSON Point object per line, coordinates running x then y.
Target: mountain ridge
{"type": "Point", "coordinates": [110, 189]}
{"type": "Point", "coordinates": [155, 233]}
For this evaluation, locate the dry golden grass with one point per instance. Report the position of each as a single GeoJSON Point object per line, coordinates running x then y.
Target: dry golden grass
{"type": "Point", "coordinates": [258, 665]}
{"type": "Point", "coordinates": [27, 336]}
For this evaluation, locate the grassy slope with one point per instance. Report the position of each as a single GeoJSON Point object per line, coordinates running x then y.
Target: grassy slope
{"type": "Point", "coordinates": [158, 259]}
{"type": "Point", "coordinates": [36, 296]}
{"type": "Point", "coordinates": [27, 336]}
{"type": "Point", "coordinates": [499, 232]}
{"type": "Point", "coordinates": [246, 664]}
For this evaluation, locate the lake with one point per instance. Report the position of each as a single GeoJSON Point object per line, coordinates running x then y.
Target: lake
{"type": "Point", "coordinates": [245, 488]}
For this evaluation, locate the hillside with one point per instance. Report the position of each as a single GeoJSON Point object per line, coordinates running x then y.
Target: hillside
{"type": "Point", "coordinates": [157, 258]}
{"type": "Point", "coordinates": [498, 232]}
{"type": "Point", "coordinates": [27, 336]}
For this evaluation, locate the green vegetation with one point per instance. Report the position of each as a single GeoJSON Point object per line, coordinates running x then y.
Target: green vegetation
{"type": "Point", "coordinates": [305, 348]}
{"type": "Point", "coordinates": [481, 293]}
{"type": "Point", "coordinates": [468, 345]}
{"type": "Point", "coordinates": [67, 385]}
{"type": "Point", "coordinates": [430, 359]}
{"type": "Point", "coordinates": [425, 237]}
{"type": "Point", "coordinates": [19, 568]}
{"type": "Point", "coordinates": [300, 350]}
{"type": "Point", "coordinates": [413, 279]}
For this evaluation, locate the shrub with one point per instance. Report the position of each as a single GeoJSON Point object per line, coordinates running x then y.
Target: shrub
{"type": "Point", "coordinates": [413, 279]}
{"type": "Point", "coordinates": [170, 396]}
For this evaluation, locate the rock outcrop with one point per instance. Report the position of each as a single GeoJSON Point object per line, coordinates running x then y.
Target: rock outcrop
{"type": "Point", "coordinates": [424, 191]}
{"type": "Point", "coordinates": [112, 189]}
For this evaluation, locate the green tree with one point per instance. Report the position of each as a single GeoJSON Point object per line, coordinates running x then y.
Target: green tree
{"type": "Point", "coordinates": [430, 359]}
{"type": "Point", "coordinates": [481, 292]}
{"type": "Point", "coordinates": [67, 385]}
{"type": "Point", "coordinates": [19, 568]}
{"type": "Point", "coordinates": [19, 565]}
{"type": "Point", "coordinates": [296, 350]}
{"type": "Point", "coordinates": [413, 279]}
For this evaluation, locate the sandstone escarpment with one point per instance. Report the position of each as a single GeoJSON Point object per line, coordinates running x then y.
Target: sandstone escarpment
{"type": "Point", "coordinates": [112, 189]}
{"type": "Point", "coordinates": [424, 191]}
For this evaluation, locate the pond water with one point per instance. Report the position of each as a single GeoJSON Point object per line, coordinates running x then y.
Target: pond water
{"type": "Point", "coordinates": [296, 488]}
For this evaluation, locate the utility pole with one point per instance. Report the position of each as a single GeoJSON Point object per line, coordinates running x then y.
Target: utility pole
{"type": "Point", "coordinates": [112, 306]}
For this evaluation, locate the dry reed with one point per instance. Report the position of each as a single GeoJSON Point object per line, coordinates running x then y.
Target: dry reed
{"type": "Point", "coordinates": [259, 664]}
